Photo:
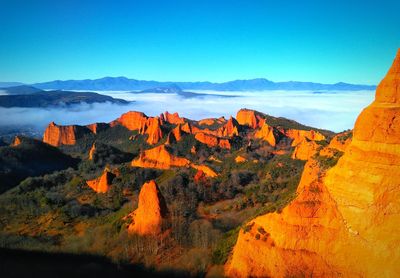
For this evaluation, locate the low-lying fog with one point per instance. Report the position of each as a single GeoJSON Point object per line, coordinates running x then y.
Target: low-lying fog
{"type": "Point", "coordinates": [335, 111]}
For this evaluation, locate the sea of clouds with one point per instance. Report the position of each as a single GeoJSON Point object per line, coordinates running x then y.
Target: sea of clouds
{"type": "Point", "coordinates": [335, 111]}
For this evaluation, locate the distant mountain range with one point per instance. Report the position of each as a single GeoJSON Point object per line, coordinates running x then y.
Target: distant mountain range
{"type": "Point", "coordinates": [28, 96]}
{"type": "Point", "coordinates": [126, 84]}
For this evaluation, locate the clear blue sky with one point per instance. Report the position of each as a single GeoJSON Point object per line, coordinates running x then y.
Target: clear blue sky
{"type": "Point", "coordinates": [214, 40]}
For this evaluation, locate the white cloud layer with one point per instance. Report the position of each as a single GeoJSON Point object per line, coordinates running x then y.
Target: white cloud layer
{"type": "Point", "coordinates": [336, 111]}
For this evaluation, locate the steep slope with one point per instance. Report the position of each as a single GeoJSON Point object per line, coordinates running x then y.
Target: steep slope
{"type": "Point", "coordinates": [57, 135]}
{"type": "Point", "coordinates": [28, 157]}
{"type": "Point", "coordinates": [344, 223]}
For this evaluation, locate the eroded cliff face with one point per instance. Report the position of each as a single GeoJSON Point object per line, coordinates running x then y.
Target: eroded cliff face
{"type": "Point", "coordinates": [147, 218]}
{"type": "Point", "coordinates": [102, 184]}
{"type": "Point", "coordinates": [266, 133]}
{"type": "Point", "coordinates": [159, 157]}
{"type": "Point", "coordinates": [305, 150]}
{"type": "Point", "coordinates": [249, 118]}
{"type": "Point", "coordinates": [173, 118]}
{"type": "Point", "coordinates": [300, 135]}
{"type": "Point", "coordinates": [344, 222]}
{"type": "Point", "coordinates": [57, 135]}
{"type": "Point", "coordinates": [212, 141]}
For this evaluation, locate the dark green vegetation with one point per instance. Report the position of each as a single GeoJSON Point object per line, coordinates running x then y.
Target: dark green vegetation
{"type": "Point", "coordinates": [30, 158]}
{"type": "Point", "coordinates": [25, 96]}
{"type": "Point", "coordinates": [57, 211]}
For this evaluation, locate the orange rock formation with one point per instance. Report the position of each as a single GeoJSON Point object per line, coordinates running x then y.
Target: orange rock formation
{"type": "Point", "coordinates": [266, 133]}
{"type": "Point", "coordinates": [212, 141]}
{"type": "Point", "coordinates": [173, 118]}
{"type": "Point", "coordinates": [250, 118]}
{"type": "Point", "coordinates": [159, 157]}
{"type": "Point", "coordinates": [102, 183]}
{"type": "Point", "coordinates": [300, 135]}
{"type": "Point", "coordinates": [152, 209]}
{"type": "Point", "coordinates": [132, 120]}
{"type": "Point", "coordinates": [57, 135]}
{"type": "Point", "coordinates": [205, 170]}
{"type": "Point", "coordinates": [240, 159]}
{"type": "Point", "coordinates": [17, 141]}
{"type": "Point", "coordinates": [344, 223]}
{"type": "Point", "coordinates": [305, 150]}
{"type": "Point", "coordinates": [153, 130]}
{"type": "Point", "coordinates": [92, 151]}
{"type": "Point", "coordinates": [230, 129]}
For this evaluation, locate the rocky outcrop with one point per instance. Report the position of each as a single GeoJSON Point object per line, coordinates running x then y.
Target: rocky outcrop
{"type": "Point", "coordinates": [212, 121]}
{"type": "Point", "coordinates": [249, 118]}
{"type": "Point", "coordinates": [102, 183]}
{"type": "Point", "coordinates": [152, 210]}
{"type": "Point", "coordinates": [151, 126]}
{"type": "Point", "coordinates": [57, 135]}
{"type": "Point", "coordinates": [97, 127]}
{"type": "Point", "coordinates": [92, 151]}
{"type": "Point", "coordinates": [305, 150]}
{"type": "Point", "coordinates": [153, 130]}
{"type": "Point", "coordinates": [159, 157]}
{"type": "Point", "coordinates": [178, 132]}
{"type": "Point", "coordinates": [300, 135]}
{"type": "Point", "coordinates": [132, 120]}
{"type": "Point", "coordinates": [230, 129]}
{"type": "Point", "coordinates": [207, 171]}
{"type": "Point", "coordinates": [266, 133]}
{"type": "Point", "coordinates": [345, 222]}
{"type": "Point", "coordinates": [240, 159]}
{"type": "Point", "coordinates": [212, 141]}
{"type": "Point", "coordinates": [173, 118]}
{"type": "Point", "coordinates": [17, 141]}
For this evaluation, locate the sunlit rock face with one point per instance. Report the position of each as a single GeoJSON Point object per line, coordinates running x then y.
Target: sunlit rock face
{"type": "Point", "coordinates": [345, 222]}
{"type": "Point", "coordinates": [212, 141]}
{"type": "Point", "coordinates": [249, 118]}
{"type": "Point", "coordinates": [159, 157]}
{"type": "Point", "coordinates": [207, 171]}
{"type": "Point", "coordinates": [305, 150]}
{"type": "Point", "coordinates": [173, 118]}
{"type": "Point", "coordinates": [152, 209]}
{"type": "Point", "coordinates": [57, 135]}
{"type": "Point", "coordinates": [132, 120]}
{"type": "Point", "coordinates": [230, 129]}
{"type": "Point", "coordinates": [92, 151]}
{"type": "Point", "coordinates": [17, 141]}
{"type": "Point", "coordinates": [153, 130]}
{"type": "Point", "coordinates": [102, 184]}
{"type": "Point", "coordinates": [266, 133]}
{"type": "Point", "coordinates": [300, 135]}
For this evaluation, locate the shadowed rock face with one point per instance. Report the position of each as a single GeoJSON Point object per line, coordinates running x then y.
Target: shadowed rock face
{"type": "Point", "coordinates": [148, 217]}
{"type": "Point", "coordinates": [344, 222]}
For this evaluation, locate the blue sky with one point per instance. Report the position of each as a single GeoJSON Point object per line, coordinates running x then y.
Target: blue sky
{"type": "Point", "coordinates": [214, 40]}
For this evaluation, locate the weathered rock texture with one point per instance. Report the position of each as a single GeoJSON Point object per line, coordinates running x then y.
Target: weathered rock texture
{"type": "Point", "coordinates": [249, 118]}
{"type": "Point", "coordinates": [305, 150]}
{"type": "Point", "coordinates": [159, 157]}
{"type": "Point", "coordinates": [57, 135]}
{"type": "Point", "coordinates": [147, 218]}
{"type": "Point", "coordinates": [102, 184]}
{"type": "Point", "coordinates": [266, 133]}
{"type": "Point", "coordinates": [344, 224]}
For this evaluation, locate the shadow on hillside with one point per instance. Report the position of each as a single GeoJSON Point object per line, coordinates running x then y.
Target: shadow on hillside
{"type": "Point", "coordinates": [21, 263]}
